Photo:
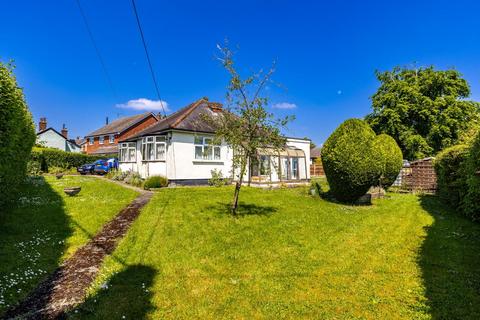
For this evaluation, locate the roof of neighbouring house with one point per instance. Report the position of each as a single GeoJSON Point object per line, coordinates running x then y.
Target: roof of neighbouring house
{"type": "Point", "coordinates": [121, 124]}
{"type": "Point", "coordinates": [61, 135]}
{"type": "Point", "coordinates": [316, 152]}
{"type": "Point", "coordinates": [188, 118]}
{"type": "Point", "coordinates": [106, 150]}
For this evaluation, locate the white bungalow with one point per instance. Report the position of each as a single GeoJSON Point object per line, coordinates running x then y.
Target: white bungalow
{"type": "Point", "coordinates": [180, 147]}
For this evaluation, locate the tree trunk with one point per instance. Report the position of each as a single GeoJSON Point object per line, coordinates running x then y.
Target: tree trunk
{"type": "Point", "coordinates": [238, 185]}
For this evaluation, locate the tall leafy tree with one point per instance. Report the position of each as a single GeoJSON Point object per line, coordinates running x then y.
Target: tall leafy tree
{"type": "Point", "coordinates": [17, 134]}
{"type": "Point", "coordinates": [424, 110]}
{"type": "Point", "coordinates": [246, 125]}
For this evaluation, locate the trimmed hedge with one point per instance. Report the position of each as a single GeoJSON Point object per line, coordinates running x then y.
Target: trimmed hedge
{"type": "Point", "coordinates": [350, 162]}
{"type": "Point", "coordinates": [392, 159]}
{"type": "Point", "coordinates": [45, 158]}
{"type": "Point", "coordinates": [451, 175]}
{"type": "Point", "coordinates": [155, 182]}
{"type": "Point", "coordinates": [471, 201]}
{"type": "Point", "coordinates": [17, 135]}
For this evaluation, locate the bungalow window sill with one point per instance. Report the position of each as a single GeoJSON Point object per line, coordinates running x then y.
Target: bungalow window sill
{"type": "Point", "coordinates": [127, 161]}
{"type": "Point", "coordinates": [207, 161]}
{"type": "Point", "coordinates": [153, 160]}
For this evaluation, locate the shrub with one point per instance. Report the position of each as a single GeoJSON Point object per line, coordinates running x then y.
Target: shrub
{"type": "Point", "coordinates": [133, 179]}
{"type": "Point", "coordinates": [48, 158]}
{"type": "Point", "coordinates": [155, 182]}
{"type": "Point", "coordinates": [17, 134]}
{"type": "Point", "coordinates": [451, 176]}
{"type": "Point", "coordinates": [471, 201]}
{"type": "Point", "coordinates": [349, 160]}
{"type": "Point", "coordinates": [217, 179]}
{"type": "Point", "coordinates": [391, 159]}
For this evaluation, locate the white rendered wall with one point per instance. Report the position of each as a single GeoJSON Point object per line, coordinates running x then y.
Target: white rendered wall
{"type": "Point", "coordinates": [51, 139]}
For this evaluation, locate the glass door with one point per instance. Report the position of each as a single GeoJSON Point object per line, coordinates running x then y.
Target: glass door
{"type": "Point", "coordinates": [285, 168]}
{"type": "Point", "coordinates": [294, 168]}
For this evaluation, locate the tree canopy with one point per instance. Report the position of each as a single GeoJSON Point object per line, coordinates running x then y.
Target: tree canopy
{"type": "Point", "coordinates": [424, 110]}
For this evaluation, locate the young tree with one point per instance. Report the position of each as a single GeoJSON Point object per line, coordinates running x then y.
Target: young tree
{"type": "Point", "coordinates": [424, 110]}
{"type": "Point", "coordinates": [245, 125]}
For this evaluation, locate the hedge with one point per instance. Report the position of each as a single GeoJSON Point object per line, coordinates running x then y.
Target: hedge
{"type": "Point", "coordinates": [450, 165]}
{"type": "Point", "coordinates": [350, 162]}
{"type": "Point", "coordinates": [155, 182]}
{"type": "Point", "coordinates": [391, 159]}
{"type": "Point", "coordinates": [471, 201]}
{"type": "Point", "coordinates": [17, 135]}
{"type": "Point", "coordinates": [45, 158]}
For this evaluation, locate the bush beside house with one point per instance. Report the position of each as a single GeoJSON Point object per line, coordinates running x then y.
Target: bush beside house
{"type": "Point", "coordinates": [471, 202]}
{"type": "Point", "coordinates": [17, 134]}
{"type": "Point", "coordinates": [155, 182]}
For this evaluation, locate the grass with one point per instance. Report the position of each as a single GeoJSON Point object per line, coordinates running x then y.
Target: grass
{"type": "Point", "coordinates": [290, 255]}
{"type": "Point", "coordinates": [47, 226]}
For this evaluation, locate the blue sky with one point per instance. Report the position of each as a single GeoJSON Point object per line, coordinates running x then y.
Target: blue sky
{"type": "Point", "coordinates": [326, 53]}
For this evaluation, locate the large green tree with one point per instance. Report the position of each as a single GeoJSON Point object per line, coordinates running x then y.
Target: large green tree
{"type": "Point", "coordinates": [17, 134]}
{"type": "Point", "coordinates": [424, 110]}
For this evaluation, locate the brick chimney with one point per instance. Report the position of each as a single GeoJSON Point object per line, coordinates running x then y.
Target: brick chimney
{"type": "Point", "coordinates": [42, 124]}
{"type": "Point", "coordinates": [65, 132]}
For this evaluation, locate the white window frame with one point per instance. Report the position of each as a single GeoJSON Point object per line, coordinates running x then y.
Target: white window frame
{"type": "Point", "coordinates": [101, 139]}
{"type": "Point", "coordinates": [91, 140]}
{"type": "Point", "coordinates": [154, 148]}
{"type": "Point", "coordinates": [111, 138]}
{"type": "Point", "coordinates": [209, 149]}
{"type": "Point", "coordinates": [127, 152]}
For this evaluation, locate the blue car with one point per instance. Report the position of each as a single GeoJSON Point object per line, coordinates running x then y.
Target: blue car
{"type": "Point", "coordinates": [104, 166]}
{"type": "Point", "coordinates": [89, 167]}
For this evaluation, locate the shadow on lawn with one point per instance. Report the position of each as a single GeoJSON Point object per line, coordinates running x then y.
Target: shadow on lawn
{"type": "Point", "coordinates": [450, 263]}
{"type": "Point", "coordinates": [32, 235]}
{"type": "Point", "coordinates": [127, 295]}
{"type": "Point", "coordinates": [243, 209]}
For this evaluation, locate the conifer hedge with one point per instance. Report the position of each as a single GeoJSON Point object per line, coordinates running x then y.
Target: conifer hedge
{"type": "Point", "coordinates": [17, 134]}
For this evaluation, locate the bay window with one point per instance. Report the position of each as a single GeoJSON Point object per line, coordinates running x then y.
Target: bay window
{"type": "Point", "coordinates": [153, 148]}
{"type": "Point", "coordinates": [127, 152]}
{"type": "Point", "coordinates": [205, 149]}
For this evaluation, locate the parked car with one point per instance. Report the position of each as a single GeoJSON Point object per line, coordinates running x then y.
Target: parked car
{"type": "Point", "coordinates": [104, 166]}
{"type": "Point", "coordinates": [88, 168]}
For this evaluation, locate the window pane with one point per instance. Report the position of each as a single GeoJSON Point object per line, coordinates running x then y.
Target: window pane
{"type": "Point", "coordinates": [131, 154]}
{"type": "Point", "coordinates": [216, 153]}
{"type": "Point", "coordinates": [208, 141]}
{"type": "Point", "coordinates": [198, 152]}
{"type": "Point", "coordinates": [208, 153]}
{"type": "Point", "coordinates": [151, 152]}
{"type": "Point", "coordinates": [160, 154]}
{"type": "Point", "coordinates": [198, 140]}
{"type": "Point", "coordinates": [149, 139]}
{"type": "Point", "coordinates": [160, 139]}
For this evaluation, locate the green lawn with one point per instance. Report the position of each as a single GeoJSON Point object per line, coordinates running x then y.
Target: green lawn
{"type": "Point", "coordinates": [290, 255]}
{"type": "Point", "coordinates": [47, 226]}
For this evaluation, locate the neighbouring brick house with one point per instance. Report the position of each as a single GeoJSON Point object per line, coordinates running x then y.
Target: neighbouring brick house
{"type": "Point", "coordinates": [105, 140]}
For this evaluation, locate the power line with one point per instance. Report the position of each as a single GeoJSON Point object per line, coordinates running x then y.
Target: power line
{"type": "Point", "coordinates": [102, 62]}
{"type": "Point", "coordinates": [148, 57]}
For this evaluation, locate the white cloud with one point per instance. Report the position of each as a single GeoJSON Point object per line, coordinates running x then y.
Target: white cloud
{"type": "Point", "coordinates": [284, 105]}
{"type": "Point", "coordinates": [144, 104]}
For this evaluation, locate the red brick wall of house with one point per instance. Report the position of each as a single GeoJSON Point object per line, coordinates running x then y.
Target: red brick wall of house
{"type": "Point", "coordinates": [90, 148]}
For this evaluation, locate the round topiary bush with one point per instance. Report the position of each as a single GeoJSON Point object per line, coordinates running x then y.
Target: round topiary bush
{"type": "Point", "coordinates": [349, 160]}
{"type": "Point", "coordinates": [391, 159]}
{"type": "Point", "coordinates": [451, 175]}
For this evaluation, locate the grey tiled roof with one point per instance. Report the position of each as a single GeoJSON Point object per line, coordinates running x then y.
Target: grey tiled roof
{"type": "Point", "coordinates": [120, 125]}
{"type": "Point", "coordinates": [106, 150]}
{"type": "Point", "coordinates": [189, 118]}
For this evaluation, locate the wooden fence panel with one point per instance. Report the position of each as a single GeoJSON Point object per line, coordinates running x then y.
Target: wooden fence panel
{"type": "Point", "coordinates": [316, 170]}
